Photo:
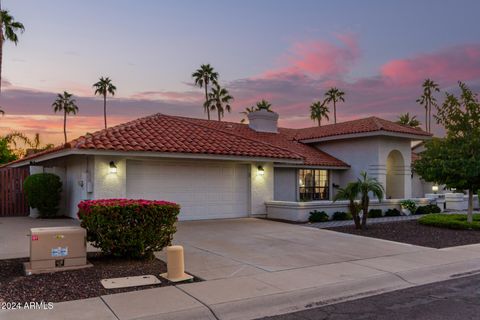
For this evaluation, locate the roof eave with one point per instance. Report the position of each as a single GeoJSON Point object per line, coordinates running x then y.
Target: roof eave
{"type": "Point", "coordinates": [368, 134]}
{"type": "Point", "coordinates": [149, 154]}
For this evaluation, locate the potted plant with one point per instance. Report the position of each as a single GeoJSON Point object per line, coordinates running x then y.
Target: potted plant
{"type": "Point", "coordinates": [408, 207]}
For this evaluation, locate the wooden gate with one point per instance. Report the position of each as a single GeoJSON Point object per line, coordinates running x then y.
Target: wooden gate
{"type": "Point", "coordinates": [12, 198]}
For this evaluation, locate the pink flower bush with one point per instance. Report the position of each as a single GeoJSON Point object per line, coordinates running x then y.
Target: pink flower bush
{"type": "Point", "coordinates": [85, 206]}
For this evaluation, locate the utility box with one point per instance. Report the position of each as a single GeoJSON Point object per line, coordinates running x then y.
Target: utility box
{"type": "Point", "coordinates": [57, 249]}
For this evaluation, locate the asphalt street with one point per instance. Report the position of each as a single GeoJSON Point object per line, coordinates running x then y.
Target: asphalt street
{"type": "Point", "coordinates": [452, 299]}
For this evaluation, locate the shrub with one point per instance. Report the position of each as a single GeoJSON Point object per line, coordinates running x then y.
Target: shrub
{"type": "Point", "coordinates": [340, 215]}
{"type": "Point", "coordinates": [129, 228]}
{"type": "Point", "coordinates": [392, 213]}
{"type": "Point", "coordinates": [43, 193]}
{"type": "Point", "coordinates": [451, 221]}
{"type": "Point", "coordinates": [409, 204]}
{"type": "Point", "coordinates": [318, 216]}
{"type": "Point", "coordinates": [430, 208]}
{"type": "Point", "coordinates": [375, 213]}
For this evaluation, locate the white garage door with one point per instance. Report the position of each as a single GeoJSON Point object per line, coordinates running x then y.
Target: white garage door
{"type": "Point", "coordinates": [204, 191]}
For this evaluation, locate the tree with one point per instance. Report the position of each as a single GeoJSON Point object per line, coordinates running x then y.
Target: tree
{"type": "Point", "coordinates": [334, 95]}
{"type": "Point", "coordinates": [264, 105]}
{"type": "Point", "coordinates": [366, 185]}
{"type": "Point", "coordinates": [2, 112]}
{"type": "Point", "coordinates": [66, 104]}
{"type": "Point", "coordinates": [203, 76]}
{"type": "Point", "coordinates": [350, 193]}
{"type": "Point", "coordinates": [219, 99]}
{"type": "Point", "coordinates": [103, 87]}
{"type": "Point", "coordinates": [8, 31]}
{"type": "Point", "coordinates": [407, 120]}
{"type": "Point", "coordinates": [6, 153]}
{"type": "Point", "coordinates": [8, 146]}
{"type": "Point", "coordinates": [454, 160]}
{"type": "Point", "coordinates": [319, 111]}
{"type": "Point", "coordinates": [428, 100]}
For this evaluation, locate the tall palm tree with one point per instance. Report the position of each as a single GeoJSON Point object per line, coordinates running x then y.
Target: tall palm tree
{"type": "Point", "coordinates": [247, 111]}
{"type": "Point", "coordinates": [408, 120]}
{"type": "Point", "coordinates": [350, 193]}
{"type": "Point", "coordinates": [103, 87]}
{"type": "Point", "coordinates": [264, 105]}
{"type": "Point", "coordinates": [219, 99]}
{"type": "Point", "coordinates": [203, 76]}
{"type": "Point", "coordinates": [334, 95]}
{"type": "Point", "coordinates": [319, 111]}
{"type": "Point", "coordinates": [428, 100]}
{"type": "Point", "coordinates": [8, 31]}
{"type": "Point", "coordinates": [66, 104]}
{"type": "Point", "coordinates": [367, 185]}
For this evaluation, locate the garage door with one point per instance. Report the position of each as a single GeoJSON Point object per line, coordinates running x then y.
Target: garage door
{"type": "Point", "coordinates": [204, 191]}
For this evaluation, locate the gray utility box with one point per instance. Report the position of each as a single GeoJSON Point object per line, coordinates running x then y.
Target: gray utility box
{"type": "Point", "coordinates": [57, 248]}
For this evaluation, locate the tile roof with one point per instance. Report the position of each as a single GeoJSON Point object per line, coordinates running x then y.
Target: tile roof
{"type": "Point", "coordinates": [364, 125]}
{"type": "Point", "coordinates": [173, 134]}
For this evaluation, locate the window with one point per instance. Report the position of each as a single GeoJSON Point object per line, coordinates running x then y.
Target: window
{"type": "Point", "coordinates": [313, 184]}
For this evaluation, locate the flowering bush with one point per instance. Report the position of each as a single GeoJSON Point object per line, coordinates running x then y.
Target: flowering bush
{"type": "Point", "coordinates": [127, 227]}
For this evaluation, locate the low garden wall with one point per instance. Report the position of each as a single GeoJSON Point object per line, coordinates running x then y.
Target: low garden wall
{"type": "Point", "coordinates": [300, 211]}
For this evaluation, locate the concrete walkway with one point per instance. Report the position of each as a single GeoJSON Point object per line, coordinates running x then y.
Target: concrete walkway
{"type": "Point", "coordinates": [331, 224]}
{"type": "Point", "coordinates": [257, 268]}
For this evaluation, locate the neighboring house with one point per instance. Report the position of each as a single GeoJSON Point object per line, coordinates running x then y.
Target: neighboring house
{"type": "Point", "coordinates": [225, 170]}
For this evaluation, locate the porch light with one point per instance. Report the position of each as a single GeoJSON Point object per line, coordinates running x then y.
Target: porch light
{"type": "Point", "coordinates": [435, 188]}
{"type": "Point", "coordinates": [260, 171]}
{"type": "Point", "coordinates": [113, 167]}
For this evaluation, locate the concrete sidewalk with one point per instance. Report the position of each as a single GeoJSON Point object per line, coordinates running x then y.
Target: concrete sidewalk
{"type": "Point", "coordinates": [277, 292]}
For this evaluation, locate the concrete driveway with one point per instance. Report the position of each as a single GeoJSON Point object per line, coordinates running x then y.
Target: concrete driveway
{"type": "Point", "coordinates": [217, 249]}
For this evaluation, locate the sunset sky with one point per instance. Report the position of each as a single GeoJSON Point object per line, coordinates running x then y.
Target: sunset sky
{"type": "Point", "coordinates": [288, 52]}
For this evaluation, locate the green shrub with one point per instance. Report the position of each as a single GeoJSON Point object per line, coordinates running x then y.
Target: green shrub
{"type": "Point", "coordinates": [129, 228]}
{"type": "Point", "coordinates": [434, 208]}
{"type": "Point", "coordinates": [429, 208]}
{"type": "Point", "coordinates": [451, 221]}
{"type": "Point", "coordinates": [409, 204]}
{"type": "Point", "coordinates": [392, 213]}
{"type": "Point", "coordinates": [318, 216]}
{"type": "Point", "coordinates": [43, 193]}
{"type": "Point", "coordinates": [340, 215]}
{"type": "Point", "coordinates": [375, 213]}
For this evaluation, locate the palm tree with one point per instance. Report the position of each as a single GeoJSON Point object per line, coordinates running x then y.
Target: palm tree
{"type": "Point", "coordinates": [66, 104]}
{"type": "Point", "coordinates": [8, 31]}
{"type": "Point", "coordinates": [319, 111]}
{"type": "Point", "coordinates": [203, 76]}
{"type": "Point", "coordinates": [219, 99]}
{"type": "Point", "coordinates": [366, 185]}
{"type": "Point", "coordinates": [247, 111]}
{"type": "Point", "coordinates": [408, 120]}
{"type": "Point", "coordinates": [428, 100]}
{"type": "Point", "coordinates": [264, 105]}
{"type": "Point", "coordinates": [103, 87]}
{"type": "Point", "coordinates": [2, 112]}
{"type": "Point", "coordinates": [334, 95]}
{"type": "Point", "coordinates": [350, 193]}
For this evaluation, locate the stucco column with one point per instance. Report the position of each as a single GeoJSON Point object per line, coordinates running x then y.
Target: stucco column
{"type": "Point", "coordinates": [261, 187]}
{"type": "Point", "coordinates": [106, 184]}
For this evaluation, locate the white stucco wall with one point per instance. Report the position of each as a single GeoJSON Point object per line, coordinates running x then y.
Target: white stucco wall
{"type": "Point", "coordinates": [370, 155]}
{"type": "Point", "coordinates": [261, 188]}
{"type": "Point", "coordinates": [285, 187]}
{"type": "Point", "coordinates": [109, 185]}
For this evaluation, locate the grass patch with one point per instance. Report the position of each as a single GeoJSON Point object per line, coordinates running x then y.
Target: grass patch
{"type": "Point", "coordinates": [451, 221]}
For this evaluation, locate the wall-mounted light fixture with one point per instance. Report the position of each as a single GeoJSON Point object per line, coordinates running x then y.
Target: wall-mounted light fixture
{"type": "Point", "coordinates": [435, 188]}
{"type": "Point", "coordinates": [335, 186]}
{"type": "Point", "coordinates": [260, 171]}
{"type": "Point", "coordinates": [113, 167]}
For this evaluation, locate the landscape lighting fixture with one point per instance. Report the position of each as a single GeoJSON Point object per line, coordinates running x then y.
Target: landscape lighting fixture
{"type": "Point", "coordinates": [113, 167]}
{"type": "Point", "coordinates": [260, 171]}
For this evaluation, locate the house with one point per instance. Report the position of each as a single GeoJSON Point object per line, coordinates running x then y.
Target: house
{"type": "Point", "coordinates": [227, 170]}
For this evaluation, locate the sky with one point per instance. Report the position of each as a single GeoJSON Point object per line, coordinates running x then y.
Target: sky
{"type": "Point", "coordinates": [288, 52]}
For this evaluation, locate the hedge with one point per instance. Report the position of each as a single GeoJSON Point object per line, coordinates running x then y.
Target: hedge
{"type": "Point", "coordinates": [341, 215]}
{"type": "Point", "coordinates": [129, 228]}
{"type": "Point", "coordinates": [392, 213]}
{"type": "Point", "coordinates": [43, 193]}
{"type": "Point", "coordinates": [451, 221]}
{"type": "Point", "coordinates": [375, 213]}
{"type": "Point", "coordinates": [318, 216]}
{"type": "Point", "coordinates": [429, 208]}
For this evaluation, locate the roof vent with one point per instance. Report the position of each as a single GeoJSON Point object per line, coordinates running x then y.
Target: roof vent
{"type": "Point", "coordinates": [263, 121]}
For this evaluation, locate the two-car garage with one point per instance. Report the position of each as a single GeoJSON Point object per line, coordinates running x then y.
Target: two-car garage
{"type": "Point", "coordinates": [211, 190]}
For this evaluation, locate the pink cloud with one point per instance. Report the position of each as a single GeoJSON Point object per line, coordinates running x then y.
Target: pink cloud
{"type": "Point", "coordinates": [448, 65]}
{"type": "Point", "coordinates": [319, 58]}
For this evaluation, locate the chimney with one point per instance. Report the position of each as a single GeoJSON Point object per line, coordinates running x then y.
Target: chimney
{"type": "Point", "coordinates": [263, 121]}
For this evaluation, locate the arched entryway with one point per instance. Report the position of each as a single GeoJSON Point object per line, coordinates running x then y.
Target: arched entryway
{"type": "Point", "coordinates": [395, 175]}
